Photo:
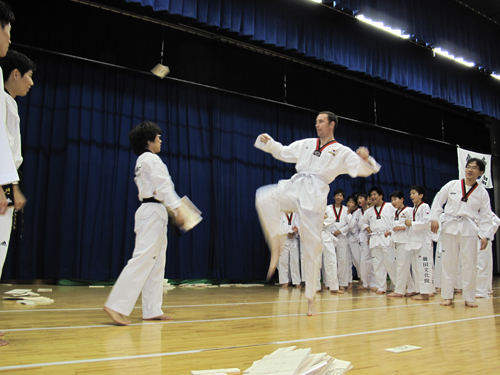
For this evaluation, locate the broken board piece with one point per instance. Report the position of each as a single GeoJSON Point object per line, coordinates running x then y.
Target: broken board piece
{"type": "Point", "coordinates": [218, 371]}
{"type": "Point", "coordinates": [26, 302]}
{"type": "Point", "coordinates": [287, 363]}
{"type": "Point", "coordinates": [18, 291]}
{"type": "Point", "coordinates": [336, 367]}
{"type": "Point", "coordinates": [403, 348]}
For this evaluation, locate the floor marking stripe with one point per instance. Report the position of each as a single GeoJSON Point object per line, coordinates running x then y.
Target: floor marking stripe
{"type": "Point", "coordinates": [220, 319]}
{"type": "Point", "coordinates": [93, 360]}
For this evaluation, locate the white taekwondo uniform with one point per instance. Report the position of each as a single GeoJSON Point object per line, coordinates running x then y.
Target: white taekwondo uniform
{"type": "Point", "coordinates": [420, 245]}
{"type": "Point", "coordinates": [465, 205]}
{"type": "Point", "coordinates": [380, 220]}
{"type": "Point", "coordinates": [145, 271]}
{"type": "Point", "coordinates": [404, 280]}
{"type": "Point", "coordinates": [307, 192]}
{"type": "Point", "coordinates": [344, 261]}
{"type": "Point", "coordinates": [353, 240]}
{"type": "Point", "coordinates": [289, 263]}
{"type": "Point", "coordinates": [329, 254]}
{"type": "Point", "coordinates": [366, 261]}
{"type": "Point", "coordinates": [14, 140]}
{"type": "Point", "coordinates": [484, 279]}
{"type": "Point", "coordinates": [8, 170]}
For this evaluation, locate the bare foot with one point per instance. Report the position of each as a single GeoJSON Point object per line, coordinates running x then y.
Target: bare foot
{"type": "Point", "coordinates": [374, 289]}
{"type": "Point", "coordinates": [342, 288]}
{"type": "Point", "coordinates": [446, 302]}
{"type": "Point", "coordinates": [4, 342]}
{"type": "Point", "coordinates": [394, 295]}
{"type": "Point", "coordinates": [361, 287]}
{"type": "Point", "coordinates": [411, 294]}
{"type": "Point", "coordinates": [420, 297]}
{"type": "Point", "coordinates": [458, 291]}
{"type": "Point", "coordinates": [160, 317]}
{"type": "Point", "coordinates": [117, 317]}
{"type": "Point", "coordinates": [380, 292]}
{"type": "Point", "coordinates": [470, 304]}
{"type": "Point", "coordinates": [324, 287]}
{"type": "Point", "coordinates": [311, 308]}
{"type": "Point", "coordinates": [337, 291]}
{"type": "Point", "coordinates": [349, 287]}
{"type": "Point", "coordinates": [284, 285]}
{"type": "Point", "coordinates": [438, 290]}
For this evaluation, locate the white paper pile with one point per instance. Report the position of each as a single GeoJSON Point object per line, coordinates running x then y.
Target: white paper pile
{"type": "Point", "coordinates": [291, 361]}
{"type": "Point", "coordinates": [26, 295]}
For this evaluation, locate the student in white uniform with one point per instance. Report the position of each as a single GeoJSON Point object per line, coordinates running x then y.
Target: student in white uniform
{"type": "Point", "coordinates": [420, 245]}
{"type": "Point", "coordinates": [18, 79]}
{"type": "Point", "coordinates": [484, 279]}
{"type": "Point", "coordinates": [329, 268]}
{"type": "Point", "coordinates": [378, 221]}
{"type": "Point", "coordinates": [8, 172]}
{"type": "Point", "coordinates": [289, 263]}
{"type": "Point", "coordinates": [466, 203]}
{"type": "Point", "coordinates": [404, 281]}
{"type": "Point", "coordinates": [353, 217]}
{"type": "Point", "coordinates": [318, 162]}
{"type": "Point", "coordinates": [367, 274]}
{"type": "Point", "coordinates": [145, 271]}
{"type": "Point", "coordinates": [340, 229]}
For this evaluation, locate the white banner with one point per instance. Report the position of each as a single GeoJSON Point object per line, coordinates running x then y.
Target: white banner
{"type": "Point", "coordinates": [465, 155]}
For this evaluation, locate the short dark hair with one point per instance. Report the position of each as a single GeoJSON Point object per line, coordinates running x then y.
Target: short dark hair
{"type": "Point", "coordinates": [420, 190]}
{"type": "Point", "coordinates": [363, 195]}
{"type": "Point", "coordinates": [6, 14]}
{"type": "Point", "coordinates": [339, 191]}
{"type": "Point", "coordinates": [397, 194]}
{"type": "Point", "coordinates": [15, 60]}
{"type": "Point", "coordinates": [480, 164]}
{"type": "Point", "coordinates": [353, 197]}
{"type": "Point", "coordinates": [331, 117]}
{"type": "Point", "coordinates": [376, 189]}
{"type": "Point", "coordinates": [141, 134]}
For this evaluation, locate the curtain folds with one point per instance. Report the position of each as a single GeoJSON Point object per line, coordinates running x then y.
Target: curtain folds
{"type": "Point", "coordinates": [325, 35]}
{"type": "Point", "coordinates": [78, 169]}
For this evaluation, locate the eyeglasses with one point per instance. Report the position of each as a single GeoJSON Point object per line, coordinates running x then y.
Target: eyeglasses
{"type": "Point", "coordinates": [474, 168]}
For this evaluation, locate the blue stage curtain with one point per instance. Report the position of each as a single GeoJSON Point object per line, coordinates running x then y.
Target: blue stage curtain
{"type": "Point", "coordinates": [446, 24]}
{"type": "Point", "coordinates": [320, 33]}
{"type": "Point", "coordinates": [78, 169]}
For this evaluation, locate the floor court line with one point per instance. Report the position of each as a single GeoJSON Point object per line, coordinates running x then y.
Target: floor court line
{"type": "Point", "coordinates": [206, 305]}
{"type": "Point", "coordinates": [218, 320]}
{"type": "Point", "coordinates": [94, 360]}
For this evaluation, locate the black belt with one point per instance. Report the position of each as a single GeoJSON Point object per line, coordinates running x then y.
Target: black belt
{"type": "Point", "coordinates": [150, 200]}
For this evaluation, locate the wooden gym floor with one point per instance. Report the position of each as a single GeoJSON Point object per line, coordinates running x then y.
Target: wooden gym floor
{"type": "Point", "coordinates": [232, 327]}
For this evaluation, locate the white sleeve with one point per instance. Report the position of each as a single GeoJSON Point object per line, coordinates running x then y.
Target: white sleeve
{"type": "Point", "coordinates": [288, 154]}
{"type": "Point", "coordinates": [438, 202]}
{"type": "Point", "coordinates": [164, 187]}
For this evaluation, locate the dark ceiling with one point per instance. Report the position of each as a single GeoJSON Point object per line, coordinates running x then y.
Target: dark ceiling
{"type": "Point", "coordinates": [489, 8]}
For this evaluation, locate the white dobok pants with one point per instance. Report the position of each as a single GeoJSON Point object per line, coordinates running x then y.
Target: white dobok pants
{"type": "Point", "coordinates": [145, 271]}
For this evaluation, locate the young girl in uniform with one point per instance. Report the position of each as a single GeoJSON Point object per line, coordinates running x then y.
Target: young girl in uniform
{"type": "Point", "coordinates": [420, 244]}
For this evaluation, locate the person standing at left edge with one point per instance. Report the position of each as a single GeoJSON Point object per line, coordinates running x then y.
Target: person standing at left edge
{"type": "Point", "coordinates": [318, 161]}
{"type": "Point", "coordinates": [146, 270]}
{"type": "Point", "coordinates": [8, 172]}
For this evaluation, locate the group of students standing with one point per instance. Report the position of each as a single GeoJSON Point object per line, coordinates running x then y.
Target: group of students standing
{"type": "Point", "coordinates": [393, 239]}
